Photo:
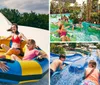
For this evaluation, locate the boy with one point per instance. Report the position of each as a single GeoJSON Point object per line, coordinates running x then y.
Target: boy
{"type": "Point", "coordinates": [57, 63]}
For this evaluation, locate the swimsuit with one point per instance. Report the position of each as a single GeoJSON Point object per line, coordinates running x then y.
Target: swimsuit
{"type": "Point", "coordinates": [21, 52]}
{"type": "Point", "coordinates": [29, 55]}
{"type": "Point", "coordinates": [16, 40]}
{"type": "Point", "coordinates": [62, 33]}
{"type": "Point", "coordinates": [51, 72]}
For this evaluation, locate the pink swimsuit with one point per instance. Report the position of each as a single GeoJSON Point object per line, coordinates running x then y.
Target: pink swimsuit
{"type": "Point", "coordinates": [29, 55]}
{"type": "Point", "coordinates": [62, 33]}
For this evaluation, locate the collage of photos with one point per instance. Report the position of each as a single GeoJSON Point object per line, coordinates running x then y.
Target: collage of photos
{"type": "Point", "coordinates": [24, 54]}
{"type": "Point", "coordinates": [75, 42]}
{"type": "Point", "coordinates": [49, 42]}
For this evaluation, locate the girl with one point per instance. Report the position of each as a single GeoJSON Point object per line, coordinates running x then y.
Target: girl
{"type": "Point", "coordinates": [91, 74]}
{"type": "Point", "coordinates": [16, 37]}
{"type": "Point", "coordinates": [30, 52]}
{"type": "Point", "coordinates": [62, 33]}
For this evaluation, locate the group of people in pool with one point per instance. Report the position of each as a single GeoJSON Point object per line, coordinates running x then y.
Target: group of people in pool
{"type": "Point", "coordinates": [91, 74]}
{"type": "Point", "coordinates": [15, 50]}
{"type": "Point", "coordinates": [62, 26]}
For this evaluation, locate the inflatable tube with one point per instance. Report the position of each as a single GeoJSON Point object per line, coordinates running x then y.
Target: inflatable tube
{"type": "Point", "coordinates": [23, 71]}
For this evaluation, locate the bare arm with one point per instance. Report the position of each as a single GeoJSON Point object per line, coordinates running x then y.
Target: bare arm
{"type": "Point", "coordinates": [54, 32]}
{"type": "Point", "coordinates": [42, 54]}
{"type": "Point", "coordinates": [61, 66]}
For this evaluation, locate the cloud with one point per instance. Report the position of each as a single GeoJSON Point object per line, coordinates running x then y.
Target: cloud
{"type": "Point", "coordinates": [38, 6]}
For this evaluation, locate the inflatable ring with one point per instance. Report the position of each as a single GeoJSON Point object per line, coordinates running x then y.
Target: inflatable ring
{"type": "Point", "coordinates": [23, 71]}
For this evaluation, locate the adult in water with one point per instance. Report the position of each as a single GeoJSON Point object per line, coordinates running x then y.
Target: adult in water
{"type": "Point", "coordinates": [16, 38]}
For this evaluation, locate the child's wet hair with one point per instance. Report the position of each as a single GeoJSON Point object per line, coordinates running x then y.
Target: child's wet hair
{"type": "Point", "coordinates": [31, 41]}
{"type": "Point", "coordinates": [92, 63]}
{"type": "Point", "coordinates": [62, 56]}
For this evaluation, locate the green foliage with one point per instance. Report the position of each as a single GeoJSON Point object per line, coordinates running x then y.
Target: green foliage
{"type": "Point", "coordinates": [95, 17]}
{"type": "Point", "coordinates": [27, 19]}
{"type": "Point", "coordinates": [72, 45]}
{"type": "Point", "coordinates": [74, 17]}
{"type": "Point", "coordinates": [98, 46]}
{"type": "Point", "coordinates": [56, 49]}
{"type": "Point", "coordinates": [63, 7]}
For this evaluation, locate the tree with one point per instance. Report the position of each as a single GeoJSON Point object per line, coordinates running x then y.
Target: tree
{"type": "Point", "coordinates": [56, 48]}
{"type": "Point", "coordinates": [27, 19]}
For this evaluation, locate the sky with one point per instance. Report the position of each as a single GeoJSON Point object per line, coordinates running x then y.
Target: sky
{"type": "Point", "coordinates": [80, 1]}
{"type": "Point", "coordinates": [38, 6]}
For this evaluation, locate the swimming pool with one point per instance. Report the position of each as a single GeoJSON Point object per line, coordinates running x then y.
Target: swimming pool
{"type": "Point", "coordinates": [79, 34]}
{"type": "Point", "coordinates": [72, 74]}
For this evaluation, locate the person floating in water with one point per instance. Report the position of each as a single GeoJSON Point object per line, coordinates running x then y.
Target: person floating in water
{"type": "Point", "coordinates": [62, 33]}
{"type": "Point", "coordinates": [57, 63]}
{"type": "Point", "coordinates": [79, 25]}
{"type": "Point", "coordinates": [91, 74]}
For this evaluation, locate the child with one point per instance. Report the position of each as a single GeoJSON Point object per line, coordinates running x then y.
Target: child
{"type": "Point", "coordinates": [30, 51]}
{"type": "Point", "coordinates": [16, 38]}
{"type": "Point", "coordinates": [57, 63]}
{"type": "Point", "coordinates": [91, 74]}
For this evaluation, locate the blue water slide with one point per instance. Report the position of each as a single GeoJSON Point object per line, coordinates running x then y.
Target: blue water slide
{"type": "Point", "coordinates": [69, 58]}
{"type": "Point", "coordinates": [79, 65]}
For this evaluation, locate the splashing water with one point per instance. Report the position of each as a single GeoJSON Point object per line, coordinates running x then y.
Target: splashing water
{"type": "Point", "coordinates": [80, 34]}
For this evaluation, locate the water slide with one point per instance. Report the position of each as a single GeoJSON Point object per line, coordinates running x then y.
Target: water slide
{"type": "Point", "coordinates": [72, 74]}
{"type": "Point", "coordinates": [69, 58]}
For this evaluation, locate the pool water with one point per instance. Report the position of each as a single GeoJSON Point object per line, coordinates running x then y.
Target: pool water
{"type": "Point", "coordinates": [66, 77]}
{"type": "Point", "coordinates": [79, 34]}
